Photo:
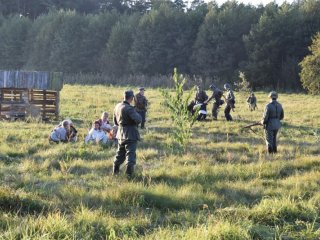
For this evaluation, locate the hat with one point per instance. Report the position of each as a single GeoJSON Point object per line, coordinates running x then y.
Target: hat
{"type": "Point", "coordinates": [128, 93]}
{"type": "Point", "coordinates": [273, 95]}
{"type": "Point", "coordinates": [141, 89]}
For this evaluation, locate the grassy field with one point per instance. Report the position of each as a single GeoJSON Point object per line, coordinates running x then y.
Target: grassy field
{"type": "Point", "coordinates": [223, 187]}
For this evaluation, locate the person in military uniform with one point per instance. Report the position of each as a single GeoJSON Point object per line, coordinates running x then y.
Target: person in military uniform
{"type": "Point", "coordinates": [141, 103]}
{"type": "Point", "coordinates": [230, 99]}
{"type": "Point", "coordinates": [216, 95]}
{"type": "Point", "coordinates": [201, 95]}
{"type": "Point", "coordinates": [272, 115]}
{"type": "Point", "coordinates": [127, 119]}
{"type": "Point", "coordinates": [200, 103]}
{"type": "Point", "coordinates": [252, 102]}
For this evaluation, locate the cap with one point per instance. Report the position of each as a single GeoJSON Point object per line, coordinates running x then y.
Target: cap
{"type": "Point", "coordinates": [226, 86]}
{"type": "Point", "coordinates": [212, 86]}
{"type": "Point", "coordinates": [141, 89]}
{"type": "Point", "coordinates": [128, 93]}
{"type": "Point", "coordinates": [273, 94]}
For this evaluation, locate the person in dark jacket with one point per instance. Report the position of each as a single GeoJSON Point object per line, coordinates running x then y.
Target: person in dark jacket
{"type": "Point", "coordinates": [127, 119]}
{"type": "Point", "coordinates": [230, 99]}
{"type": "Point", "coordinates": [272, 115]}
{"type": "Point", "coordinates": [141, 103]}
{"type": "Point", "coordinates": [252, 102]}
{"type": "Point", "coordinates": [217, 94]}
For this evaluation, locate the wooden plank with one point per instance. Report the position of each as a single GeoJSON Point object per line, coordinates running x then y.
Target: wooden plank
{"type": "Point", "coordinates": [40, 102]}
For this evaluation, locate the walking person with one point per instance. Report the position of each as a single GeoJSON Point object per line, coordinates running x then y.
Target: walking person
{"type": "Point", "coordinates": [272, 115]}
{"type": "Point", "coordinates": [252, 102]}
{"type": "Point", "coordinates": [141, 103]}
{"type": "Point", "coordinates": [230, 99]}
{"type": "Point", "coordinates": [217, 95]}
{"type": "Point", "coordinates": [127, 119]}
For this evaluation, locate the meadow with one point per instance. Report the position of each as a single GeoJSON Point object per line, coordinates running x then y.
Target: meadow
{"type": "Point", "coordinates": [224, 186]}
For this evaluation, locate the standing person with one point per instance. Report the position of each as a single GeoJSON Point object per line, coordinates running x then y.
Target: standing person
{"type": "Point", "coordinates": [230, 99]}
{"type": "Point", "coordinates": [217, 95]}
{"type": "Point", "coordinates": [126, 117]}
{"type": "Point", "coordinates": [60, 133]}
{"type": "Point", "coordinates": [141, 103]}
{"type": "Point", "coordinates": [252, 102]}
{"type": "Point", "coordinates": [272, 115]}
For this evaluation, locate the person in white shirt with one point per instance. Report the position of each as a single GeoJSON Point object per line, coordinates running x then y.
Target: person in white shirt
{"type": "Point", "coordinates": [96, 135]}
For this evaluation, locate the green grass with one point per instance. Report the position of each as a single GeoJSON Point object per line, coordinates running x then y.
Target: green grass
{"type": "Point", "coordinates": [224, 186]}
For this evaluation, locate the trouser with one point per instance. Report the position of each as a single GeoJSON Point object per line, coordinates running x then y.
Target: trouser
{"type": "Point", "coordinates": [271, 140]}
{"type": "Point", "coordinates": [143, 116]}
{"type": "Point", "coordinates": [201, 116]}
{"type": "Point", "coordinates": [215, 110]}
{"type": "Point", "coordinates": [227, 112]}
{"type": "Point", "coordinates": [252, 106]}
{"type": "Point", "coordinates": [126, 151]}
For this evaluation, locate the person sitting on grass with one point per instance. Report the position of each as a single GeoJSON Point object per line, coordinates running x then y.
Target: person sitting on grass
{"type": "Point", "coordinates": [104, 122]}
{"type": "Point", "coordinates": [96, 135]}
{"type": "Point", "coordinates": [72, 134]}
{"type": "Point", "coordinates": [60, 133]}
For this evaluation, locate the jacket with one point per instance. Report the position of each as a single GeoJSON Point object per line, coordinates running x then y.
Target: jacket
{"type": "Point", "coordinates": [272, 115]}
{"type": "Point", "coordinates": [127, 118]}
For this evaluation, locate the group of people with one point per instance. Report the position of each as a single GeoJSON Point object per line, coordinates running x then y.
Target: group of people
{"type": "Point", "coordinates": [272, 116]}
{"type": "Point", "coordinates": [199, 104]}
{"type": "Point", "coordinates": [127, 117]}
{"type": "Point", "coordinates": [201, 100]}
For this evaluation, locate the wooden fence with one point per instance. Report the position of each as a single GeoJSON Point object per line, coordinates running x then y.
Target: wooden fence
{"type": "Point", "coordinates": [21, 102]}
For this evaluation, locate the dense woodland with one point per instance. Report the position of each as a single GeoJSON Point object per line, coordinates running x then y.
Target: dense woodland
{"type": "Point", "coordinates": [131, 37]}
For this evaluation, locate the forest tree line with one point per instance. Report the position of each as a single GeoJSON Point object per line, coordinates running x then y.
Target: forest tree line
{"type": "Point", "coordinates": [132, 37]}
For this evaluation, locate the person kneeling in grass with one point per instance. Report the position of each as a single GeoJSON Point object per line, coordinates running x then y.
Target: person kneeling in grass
{"type": "Point", "coordinates": [60, 133]}
{"type": "Point", "coordinates": [96, 135]}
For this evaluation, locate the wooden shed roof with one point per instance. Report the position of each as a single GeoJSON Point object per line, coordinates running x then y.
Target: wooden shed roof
{"type": "Point", "coordinates": [31, 80]}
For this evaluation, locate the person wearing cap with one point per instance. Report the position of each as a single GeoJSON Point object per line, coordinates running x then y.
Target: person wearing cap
{"type": "Point", "coordinates": [127, 119]}
{"type": "Point", "coordinates": [96, 134]}
{"type": "Point", "coordinates": [60, 133]}
{"type": "Point", "coordinates": [141, 103]}
{"type": "Point", "coordinates": [252, 102]}
{"type": "Point", "coordinates": [230, 99]}
{"type": "Point", "coordinates": [272, 115]}
{"type": "Point", "coordinates": [216, 95]}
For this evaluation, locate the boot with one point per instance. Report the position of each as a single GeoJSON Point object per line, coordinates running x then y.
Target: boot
{"type": "Point", "coordinates": [116, 169]}
{"type": "Point", "coordinates": [129, 171]}
{"type": "Point", "coordinates": [275, 150]}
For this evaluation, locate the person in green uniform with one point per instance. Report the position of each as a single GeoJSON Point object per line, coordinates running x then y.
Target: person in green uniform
{"type": "Point", "coordinates": [141, 103]}
{"type": "Point", "coordinates": [230, 99]}
{"type": "Point", "coordinates": [217, 94]}
{"type": "Point", "coordinates": [252, 102]}
{"type": "Point", "coordinates": [127, 119]}
{"type": "Point", "coordinates": [272, 115]}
